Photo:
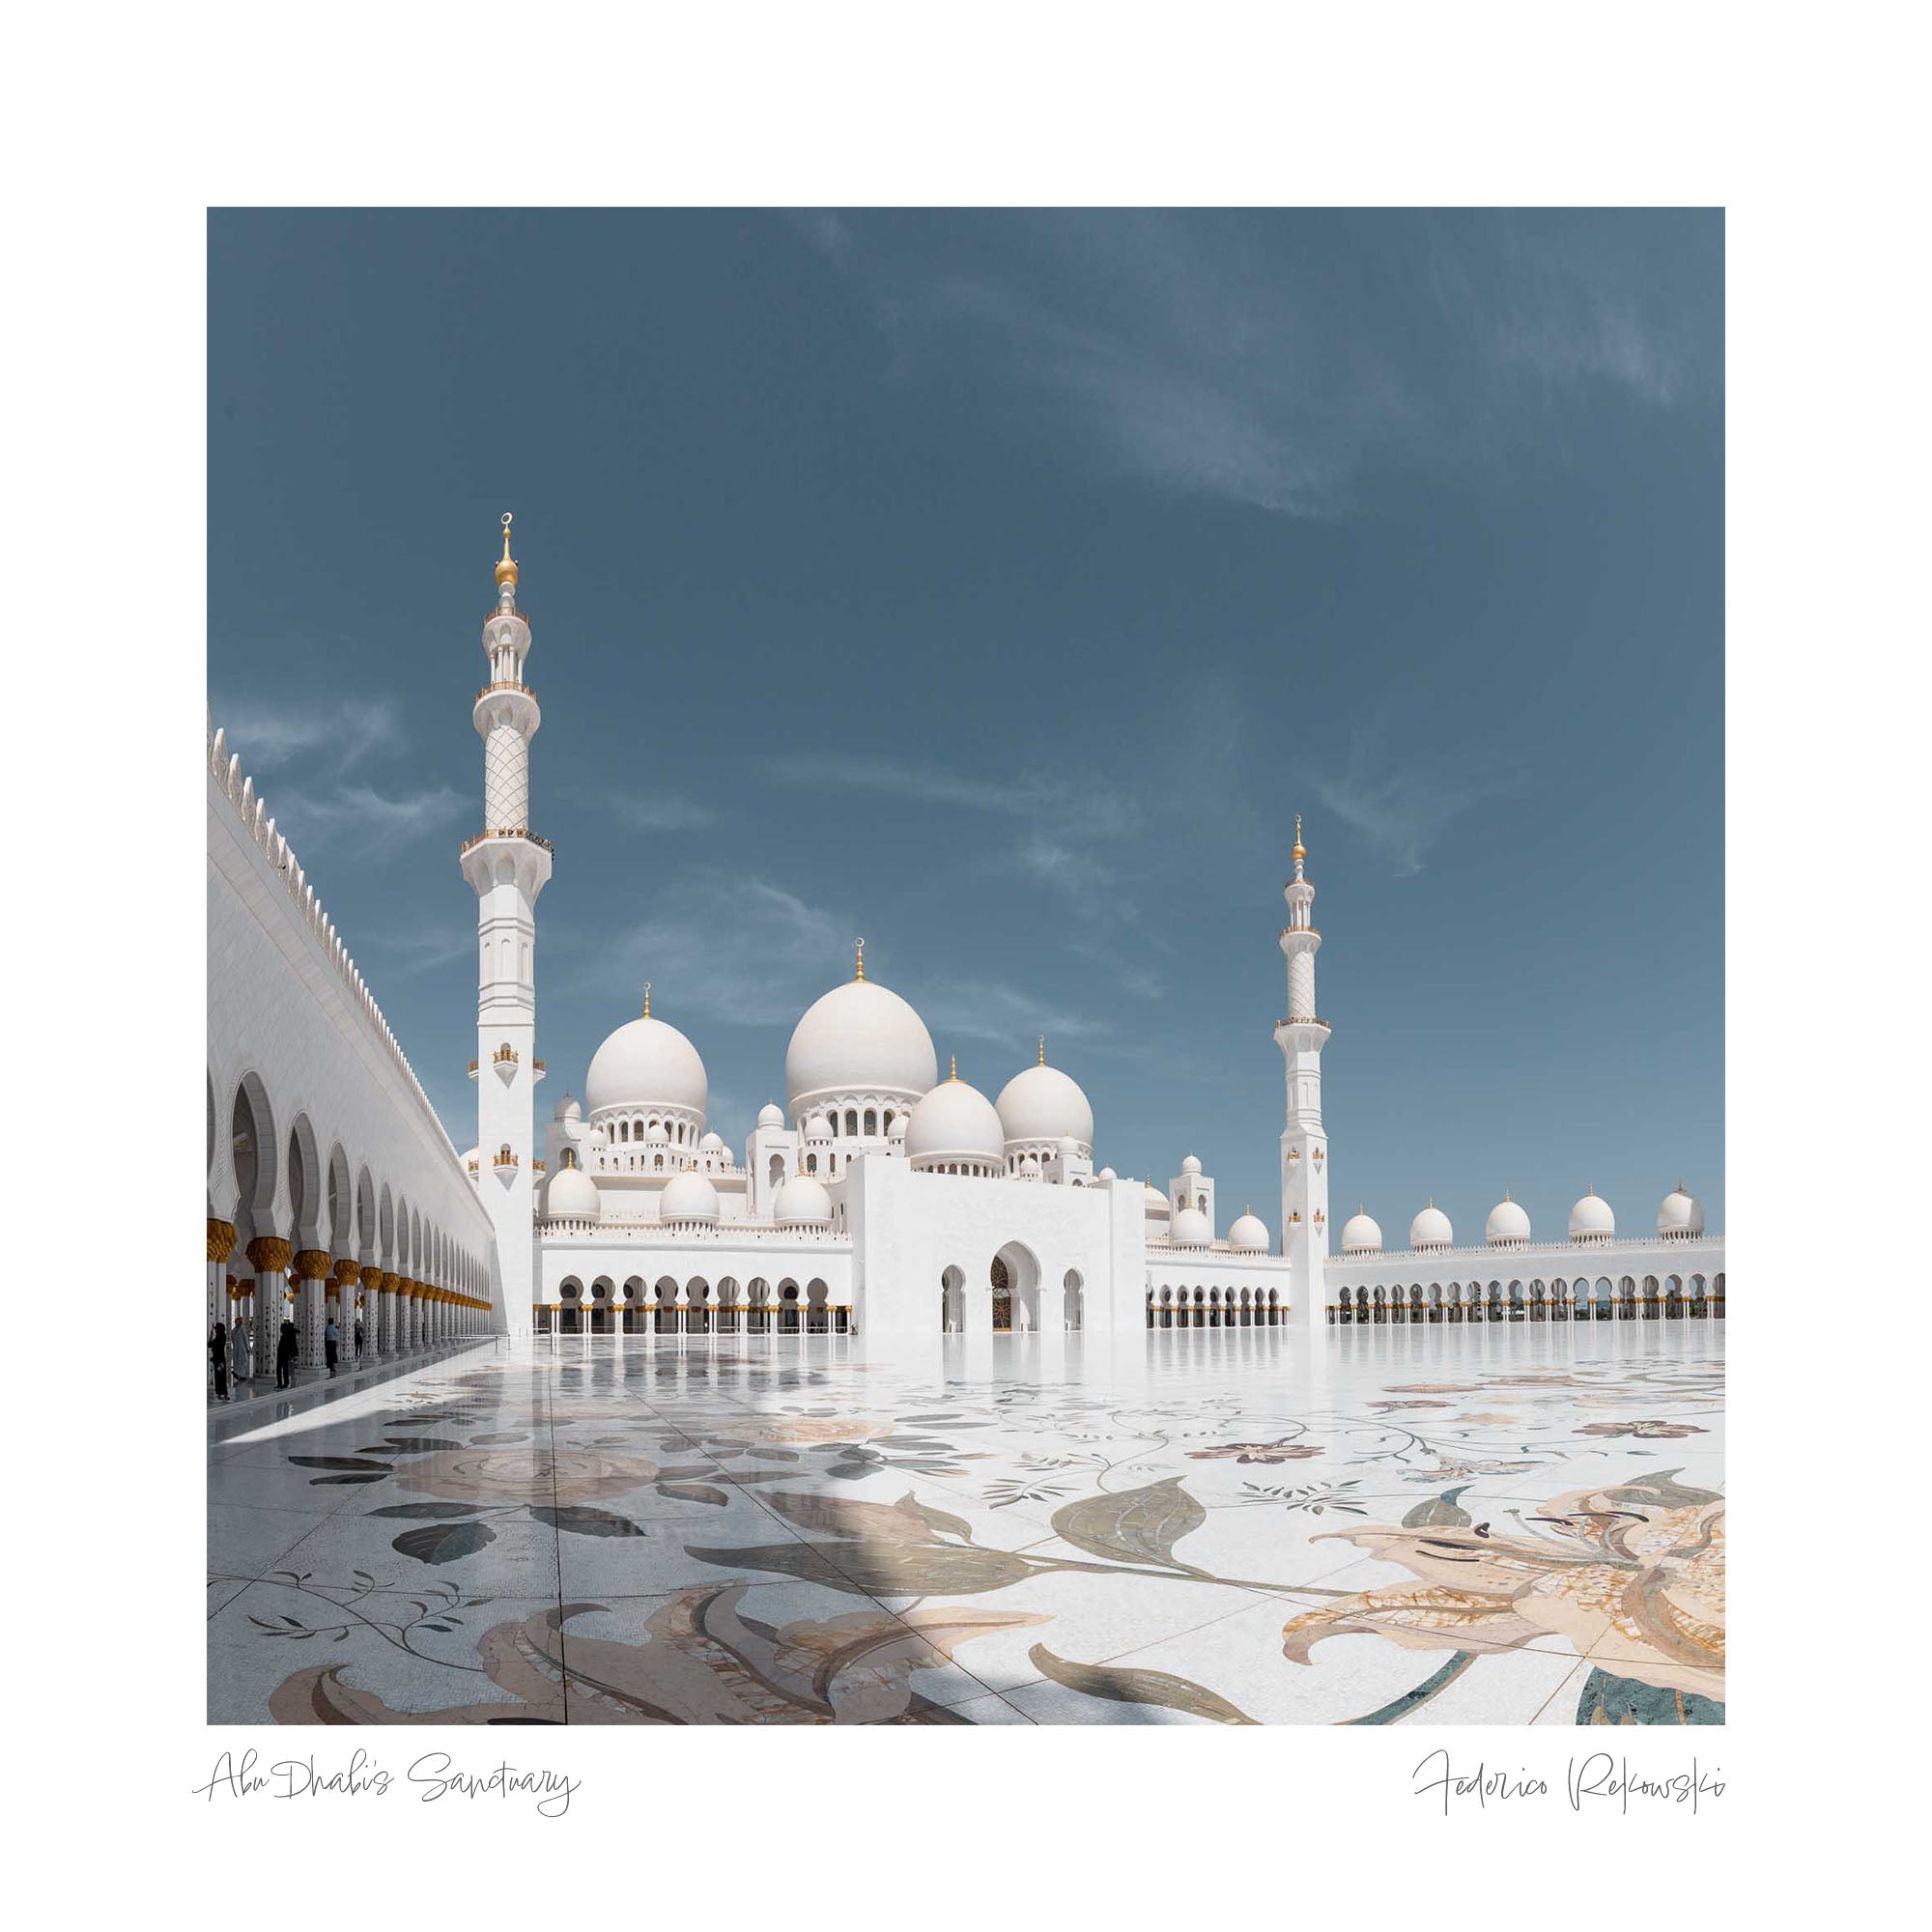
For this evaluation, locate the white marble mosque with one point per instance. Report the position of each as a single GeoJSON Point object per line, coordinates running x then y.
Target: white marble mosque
{"type": "Point", "coordinates": [880, 1417]}
{"type": "Point", "coordinates": [877, 1197]}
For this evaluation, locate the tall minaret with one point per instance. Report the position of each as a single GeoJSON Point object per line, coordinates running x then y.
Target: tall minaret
{"type": "Point", "coordinates": [507, 865]}
{"type": "Point", "coordinates": [1304, 1144]}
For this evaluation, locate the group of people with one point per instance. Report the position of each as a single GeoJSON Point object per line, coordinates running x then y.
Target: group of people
{"type": "Point", "coordinates": [231, 1351]}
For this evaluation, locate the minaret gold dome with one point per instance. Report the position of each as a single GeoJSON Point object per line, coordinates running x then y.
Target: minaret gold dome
{"type": "Point", "coordinates": [506, 568]}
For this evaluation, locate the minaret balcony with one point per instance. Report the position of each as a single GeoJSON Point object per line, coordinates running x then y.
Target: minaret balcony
{"type": "Point", "coordinates": [521, 833]}
{"type": "Point", "coordinates": [503, 1063]}
{"type": "Point", "coordinates": [1304, 1020]}
{"type": "Point", "coordinates": [538, 1069]}
{"type": "Point", "coordinates": [506, 701]}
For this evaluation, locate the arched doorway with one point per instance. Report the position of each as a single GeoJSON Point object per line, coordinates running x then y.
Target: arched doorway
{"type": "Point", "coordinates": [1016, 1283]}
{"type": "Point", "coordinates": [1003, 1297]}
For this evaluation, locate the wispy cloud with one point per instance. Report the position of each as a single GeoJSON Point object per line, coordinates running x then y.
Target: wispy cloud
{"type": "Point", "coordinates": [1400, 805]}
{"type": "Point", "coordinates": [370, 819]}
{"type": "Point", "coordinates": [657, 812]}
{"type": "Point", "coordinates": [1080, 807]}
{"type": "Point", "coordinates": [1206, 355]}
{"type": "Point", "coordinates": [724, 947]}
{"type": "Point", "coordinates": [270, 735]}
{"type": "Point", "coordinates": [408, 950]}
{"type": "Point", "coordinates": [989, 1011]}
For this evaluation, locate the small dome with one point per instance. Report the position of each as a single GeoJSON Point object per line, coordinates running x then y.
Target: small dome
{"type": "Point", "coordinates": [817, 1128]}
{"type": "Point", "coordinates": [1106, 1174]}
{"type": "Point", "coordinates": [1508, 1226]}
{"type": "Point", "coordinates": [1030, 1167]}
{"type": "Point", "coordinates": [1190, 1165]}
{"type": "Point", "coordinates": [955, 1123]}
{"type": "Point", "coordinates": [568, 1109]}
{"type": "Point", "coordinates": [1069, 1147]}
{"type": "Point", "coordinates": [655, 1135]}
{"type": "Point", "coordinates": [1191, 1228]}
{"type": "Point", "coordinates": [1042, 1103]}
{"type": "Point", "coordinates": [572, 1196]}
{"type": "Point", "coordinates": [711, 1144]}
{"type": "Point", "coordinates": [771, 1115]}
{"type": "Point", "coordinates": [900, 1121]}
{"type": "Point", "coordinates": [1431, 1229]}
{"type": "Point", "coordinates": [1363, 1235]}
{"type": "Point", "coordinates": [1591, 1219]}
{"type": "Point", "coordinates": [1156, 1200]}
{"type": "Point", "coordinates": [860, 1038]}
{"type": "Point", "coordinates": [689, 1197]}
{"type": "Point", "coordinates": [646, 1063]}
{"type": "Point", "coordinates": [803, 1203]}
{"type": "Point", "coordinates": [1681, 1217]}
{"type": "Point", "coordinates": [1249, 1236]}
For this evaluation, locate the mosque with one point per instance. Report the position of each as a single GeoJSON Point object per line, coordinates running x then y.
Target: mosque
{"type": "Point", "coordinates": [879, 1197]}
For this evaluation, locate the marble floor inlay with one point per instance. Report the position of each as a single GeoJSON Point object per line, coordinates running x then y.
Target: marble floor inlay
{"type": "Point", "coordinates": [1509, 1525]}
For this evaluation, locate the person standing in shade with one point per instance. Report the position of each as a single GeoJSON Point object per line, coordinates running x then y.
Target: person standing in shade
{"type": "Point", "coordinates": [217, 1354]}
{"type": "Point", "coordinates": [241, 1353]}
{"type": "Point", "coordinates": [359, 1338]}
{"type": "Point", "coordinates": [286, 1344]}
{"type": "Point", "coordinates": [332, 1341]}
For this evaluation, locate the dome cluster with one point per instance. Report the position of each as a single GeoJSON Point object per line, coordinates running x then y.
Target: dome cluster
{"type": "Point", "coordinates": [1592, 1222]}
{"type": "Point", "coordinates": [860, 1059]}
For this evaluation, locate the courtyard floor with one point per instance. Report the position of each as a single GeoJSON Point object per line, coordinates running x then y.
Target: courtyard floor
{"type": "Point", "coordinates": [1499, 1524]}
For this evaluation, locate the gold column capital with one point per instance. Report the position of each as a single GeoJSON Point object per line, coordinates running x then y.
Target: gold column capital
{"type": "Point", "coordinates": [391, 1281]}
{"type": "Point", "coordinates": [348, 1273]}
{"type": "Point", "coordinates": [269, 1254]}
{"type": "Point", "coordinates": [221, 1239]}
{"type": "Point", "coordinates": [372, 1277]}
{"type": "Point", "coordinates": [313, 1265]}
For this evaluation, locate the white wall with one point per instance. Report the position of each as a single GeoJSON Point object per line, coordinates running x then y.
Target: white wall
{"type": "Point", "coordinates": [909, 1228]}
{"type": "Point", "coordinates": [287, 1013]}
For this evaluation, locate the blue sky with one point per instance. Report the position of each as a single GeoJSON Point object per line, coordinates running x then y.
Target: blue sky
{"type": "Point", "coordinates": [999, 586]}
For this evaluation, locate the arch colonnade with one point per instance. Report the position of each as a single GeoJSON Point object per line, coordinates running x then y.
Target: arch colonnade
{"type": "Point", "coordinates": [1695, 1296]}
{"type": "Point", "coordinates": [311, 1237]}
{"type": "Point", "coordinates": [694, 1306]}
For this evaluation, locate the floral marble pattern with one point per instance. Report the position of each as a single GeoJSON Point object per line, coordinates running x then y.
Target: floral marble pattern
{"type": "Point", "coordinates": [1515, 1525]}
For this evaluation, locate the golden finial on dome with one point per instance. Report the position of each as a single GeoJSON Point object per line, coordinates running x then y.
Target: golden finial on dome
{"type": "Point", "coordinates": [860, 973]}
{"type": "Point", "coordinates": [1300, 850]}
{"type": "Point", "coordinates": [1043, 1050]}
{"type": "Point", "coordinates": [647, 999]}
{"type": "Point", "coordinates": [954, 1074]}
{"type": "Point", "coordinates": [506, 569]}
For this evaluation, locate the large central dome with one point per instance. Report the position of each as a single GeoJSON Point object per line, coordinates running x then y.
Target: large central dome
{"type": "Point", "coordinates": [861, 1038]}
{"type": "Point", "coordinates": [646, 1063]}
